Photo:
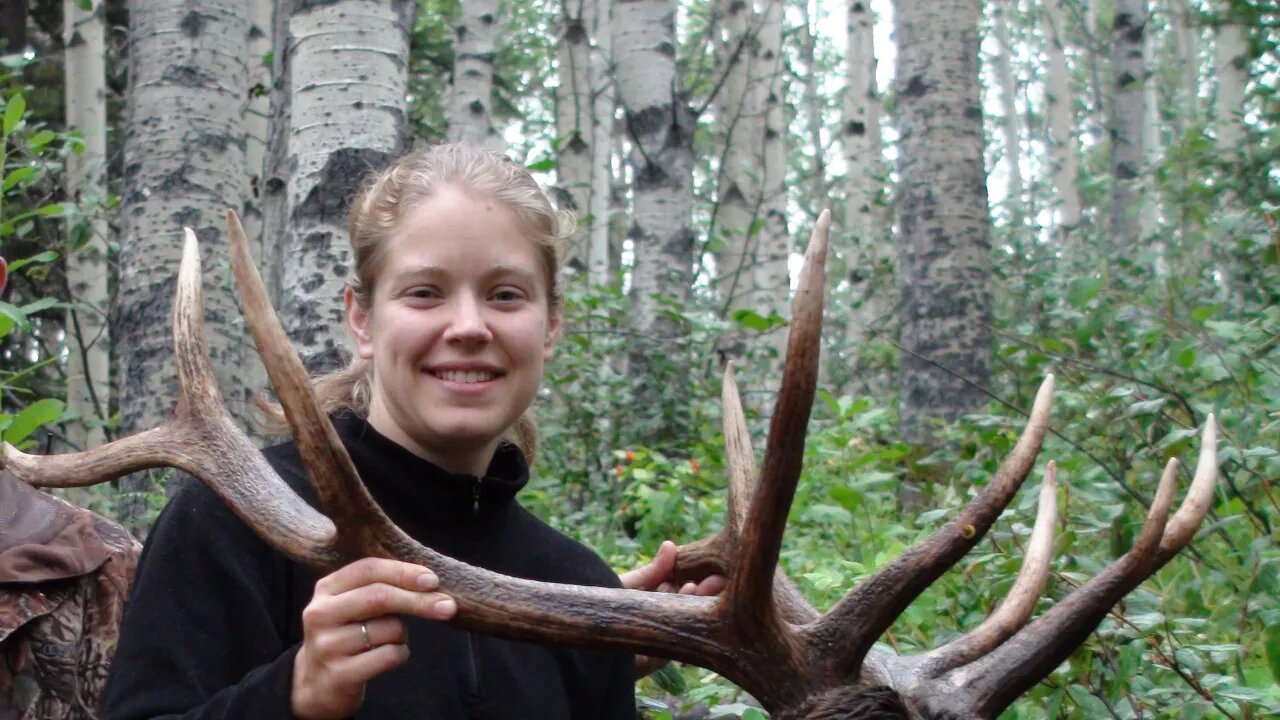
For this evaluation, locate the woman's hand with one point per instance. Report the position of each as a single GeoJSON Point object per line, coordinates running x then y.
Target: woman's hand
{"type": "Point", "coordinates": [351, 632]}
{"type": "Point", "coordinates": [656, 576]}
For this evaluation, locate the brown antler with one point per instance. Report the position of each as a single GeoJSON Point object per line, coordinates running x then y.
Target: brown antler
{"type": "Point", "coordinates": [760, 634]}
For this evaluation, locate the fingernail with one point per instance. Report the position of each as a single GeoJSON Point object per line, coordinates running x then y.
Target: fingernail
{"type": "Point", "coordinates": [428, 581]}
{"type": "Point", "coordinates": [446, 606]}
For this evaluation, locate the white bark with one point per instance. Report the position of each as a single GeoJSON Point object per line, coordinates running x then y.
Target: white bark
{"type": "Point", "coordinates": [660, 129]}
{"type": "Point", "coordinates": [1149, 216]}
{"type": "Point", "coordinates": [945, 258]}
{"type": "Point", "coordinates": [347, 118]}
{"type": "Point", "coordinates": [1231, 67]}
{"type": "Point", "coordinates": [88, 341]}
{"type": "Point", "coordinates": [1009, 106]}
{"type": "Point", "coordinates": [184, 165]}
{"type": "Point", "coordinates": [584, 119]}
{"type": "Point", "coordinates": [740, 130]}
{"type": "Point", "coordinates": [601, 261]}
{"type": "Point", "coordinates": [868, 261]}
{"type": "Point", "coordinates": [1129, 74]}
{"type": "Point", "coordinates": [1187, 42]}
{"type": "Point", "coordinates": [1064, 158]}
{"type": "Point", "coordinates": [772, 277]}
{"type": "Point", "coordinates": [257, 120]}
{"type": "Point", "coordinates": [469, 101]}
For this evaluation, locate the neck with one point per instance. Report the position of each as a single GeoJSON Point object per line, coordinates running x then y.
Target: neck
{"type": "Point", "coordinates": [462, 457]}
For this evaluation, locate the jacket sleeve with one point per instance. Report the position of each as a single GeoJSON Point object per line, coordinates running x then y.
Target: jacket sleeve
{"type": "Point", "coordinates": [204, 632]}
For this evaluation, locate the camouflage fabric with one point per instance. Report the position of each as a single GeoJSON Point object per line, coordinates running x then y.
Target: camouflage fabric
{"type": "Point", "coordinates": [64, 577]}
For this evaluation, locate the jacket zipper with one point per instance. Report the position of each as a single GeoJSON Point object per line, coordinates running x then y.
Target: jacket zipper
{"type": "Point", "coordinates": [473, 660]}
{"type": "Point", "coordinates": [473, 670]}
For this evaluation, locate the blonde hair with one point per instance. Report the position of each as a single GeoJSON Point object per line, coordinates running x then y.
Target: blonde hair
{"type": "Point", "coordinates": [405, 184]}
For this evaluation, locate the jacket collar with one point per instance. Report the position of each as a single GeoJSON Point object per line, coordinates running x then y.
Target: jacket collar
{"type": "Point", "coordinates": [409, 487]}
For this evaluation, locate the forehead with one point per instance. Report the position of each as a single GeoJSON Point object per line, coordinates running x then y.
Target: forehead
{"type": "Point", "coordinates": [460, 232]}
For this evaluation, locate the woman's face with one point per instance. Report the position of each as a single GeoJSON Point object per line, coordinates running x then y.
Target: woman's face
{"type": "Point", "coordinates": [457, 331]}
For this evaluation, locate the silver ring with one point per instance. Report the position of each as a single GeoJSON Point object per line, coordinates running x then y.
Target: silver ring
{"type": "Point", "coordinates": [364, 631]}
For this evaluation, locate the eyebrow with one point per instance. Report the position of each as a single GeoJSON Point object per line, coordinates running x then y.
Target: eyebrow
{"type": "Point", "coordinates": [435, 270]}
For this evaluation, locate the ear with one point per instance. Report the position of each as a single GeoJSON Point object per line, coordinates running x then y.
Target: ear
{"type": "Point", "coordinates": [358, 322]}
{"type": "Point", "coordinates": [554, 323]}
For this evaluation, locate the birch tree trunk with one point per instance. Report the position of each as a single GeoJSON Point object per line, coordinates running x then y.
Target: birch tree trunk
{"type": "Point", "coordinates": [584, 119]}
{"type": "Point", "coordinates": [601, 261]}
{"type": "Point", "coordinates": [773, 279]}
{"type": "Point", "coordinates": [945, 244]}
{"type": "Point", "coordinates": [660, 133]}
{"type": "Point", "coordinates": [740, 128]}
{"type": "Point", "coordinates": [88, 340]}
{"type": "Point", "coordinates": [1064, 160]}
{"type": "Point", "coordinates": [257, 120]}
{"type": "Point", "coordinates": [1011, 116]}
{"type": "Point", "coordinates": [869, 264]}
{"type": "Point", "coordinates": [1126, 118]}
{"type": "Point", "coordinates": [574, 125]}
{"type": "Point", "coordinates": [1187, 42]}
{"type": "Point", "coordinates": [346, 118]}
{"type": "Point", "coordinates": [1231, 67]}
{"type": "Point", "coordinates": [660, 128]}
{"type": "Point", "coordinates": [469, 102]}
{"type": "Point", "coordinates": [183, 165]}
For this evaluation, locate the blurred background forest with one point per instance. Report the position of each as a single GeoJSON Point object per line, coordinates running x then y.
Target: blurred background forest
{"type": "Point", "coordinates": [1082, 187]}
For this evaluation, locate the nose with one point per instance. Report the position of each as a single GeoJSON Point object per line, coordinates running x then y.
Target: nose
{"type": "Point", "coordinates": [467, 324]}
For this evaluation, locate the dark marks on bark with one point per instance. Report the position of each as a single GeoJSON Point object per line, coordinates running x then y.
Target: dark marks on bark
{"type": "Point", "coordinates": [193, 24]}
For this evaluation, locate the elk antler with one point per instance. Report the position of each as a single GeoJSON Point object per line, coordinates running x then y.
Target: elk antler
{"type": "Point", "coordinates": [760, 633]}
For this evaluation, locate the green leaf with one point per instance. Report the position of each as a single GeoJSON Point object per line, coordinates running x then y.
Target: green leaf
{"type": "Point", "coordinates": [1273, 651]}
{"type": "Point", "coordinates": [40, 139]}
{"type": "Point", "coordinates": [1145, 407]}
{"type": "Point", "coordinates": [42, 304]}
{"type": "Point", "coordinates": [85, 5]}
{"type": "Point", "coordinates": [13, 113]}
{"type": "Point", "coordinates": [668, 678]}
{"type": "Point", "coordinates": [1083, 290]}
{"type": "Point", "coordinates": [1186, 357]}
{"type": "Point", "coordinates": [543, 165]}
{"type": "Point", "coordinates": [752, 320]}
{"type": "Point", "coordinates": [36, 414]}
{"type": "Point", "coordinates": [14, 315]}
{"type": "Point", "coordinates": [18, 175]}
{"type": "Point", "coordinates": [47, 256]}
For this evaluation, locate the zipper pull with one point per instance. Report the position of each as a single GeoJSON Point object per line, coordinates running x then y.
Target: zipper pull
{"type": "Point", "coordinates": [475, 499]}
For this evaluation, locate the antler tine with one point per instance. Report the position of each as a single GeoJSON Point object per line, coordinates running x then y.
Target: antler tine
{"type": "Point", "coordinates": [996, 680]}
{"type": "Point", "coordinates": [738, 453]}
{"type": "Point", "coordinates": [1017, 606]}
{"type": "Point", "coordinates": [749, 595]}
{"type": "Point", "coordinates": [199, 437]}
{"type": "Point", "coordinates": [715, 554]}
{"type": "Point", "coordinates": [854, 624]}
{"type": "Point", "coordinates": [363, 529]}
{"type": "Point", "coordinates": [1182, 526]}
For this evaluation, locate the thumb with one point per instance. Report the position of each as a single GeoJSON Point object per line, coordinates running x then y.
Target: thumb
{"type": "Point", "coordinates": [650, 575]}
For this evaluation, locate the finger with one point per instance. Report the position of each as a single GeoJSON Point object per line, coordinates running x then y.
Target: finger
{"type": "Point", "coordinates": [373, 601]}
{"type": "Point", "coordinates": [354, 670]}
{"type": "Point", "coordinates": [368, 571]}
{"type": "Point", "coordinates": [712, 585]}
{"type": "Point", "coordinates": [688, 589]}
{"type": "Point", "coordinates": [648, 576]}
{"type": "Point", "coordinates": [352, 639]}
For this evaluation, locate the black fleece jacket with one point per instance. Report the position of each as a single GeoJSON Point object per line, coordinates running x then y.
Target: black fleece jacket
{"type": "Point", "coordinates": [214, 619]}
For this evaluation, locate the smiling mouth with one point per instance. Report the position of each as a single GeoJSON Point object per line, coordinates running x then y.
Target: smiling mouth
{"type": "Point", "coordinates": [465, 376]}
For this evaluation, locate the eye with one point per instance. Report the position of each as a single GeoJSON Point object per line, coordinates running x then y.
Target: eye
{"type": "Point", "coordinates": [507, 294]}
{"type": "Point", "coordinates": [422, 292]}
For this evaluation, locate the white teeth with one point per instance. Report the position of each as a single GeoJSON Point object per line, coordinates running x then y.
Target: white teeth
{"type": "Point", "coordinates": [465, 376]}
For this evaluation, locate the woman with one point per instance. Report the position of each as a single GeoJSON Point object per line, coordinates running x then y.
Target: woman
{"type": "Point", "coordinates": [455, 306]}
